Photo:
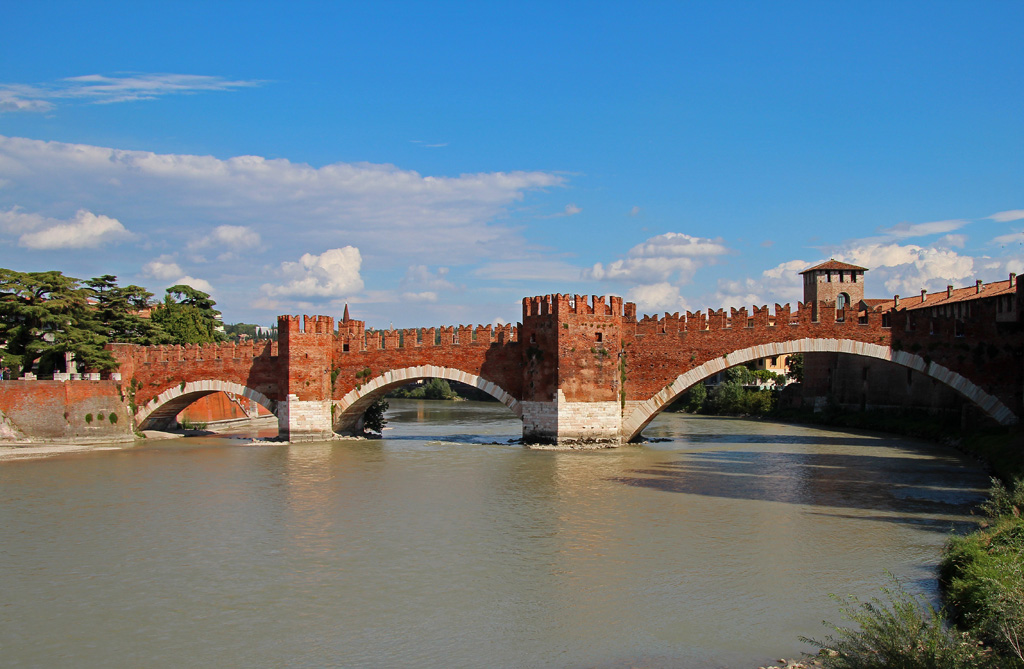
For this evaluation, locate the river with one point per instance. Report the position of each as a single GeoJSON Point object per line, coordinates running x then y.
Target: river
{"type": "Point", "coordinates": [442, 545]}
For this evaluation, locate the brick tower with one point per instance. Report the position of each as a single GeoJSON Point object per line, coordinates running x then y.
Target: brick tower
{"type": "Point", "coordinates": [571, 368]}
{"type": "Point", "coordinates": [306, 348]}
{"type": "Point", "coordinates": [834, 281]}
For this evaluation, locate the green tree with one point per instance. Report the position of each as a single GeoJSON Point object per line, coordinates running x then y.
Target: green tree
{"type": "Point", "coordinates": [373, 417]}
{"type": "Point", "coordinates": [695, 398]}
{"type": "Point", "coordinates": [187, 316]}
{"type": "Point", "coordinates": [795, 364]}
{"type": "Point", "coordinates": [117, 310]}
{"type": "Point", "coordinates": [43, 316]}
{"type": "Point", "coordinates": [438, 389]}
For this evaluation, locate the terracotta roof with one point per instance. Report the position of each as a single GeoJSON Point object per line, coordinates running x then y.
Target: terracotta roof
{"type": "Point", "coordinates": [988, 290]}
{"type": "Point", "coordinates": [834, 264]}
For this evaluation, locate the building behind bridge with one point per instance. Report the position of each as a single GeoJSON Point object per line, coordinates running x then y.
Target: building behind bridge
{"type": "Point", "coordinates": [928, 320]}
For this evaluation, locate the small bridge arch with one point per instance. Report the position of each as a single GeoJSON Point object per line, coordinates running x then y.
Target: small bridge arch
{"type": "Point", "coordinates": [160, 412]}
{"type": "Point", "coordinates": [348, 411]}
{"type": "Point", "coordinates": [645, 412]}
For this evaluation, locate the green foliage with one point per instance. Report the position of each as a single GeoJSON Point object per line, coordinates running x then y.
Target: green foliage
{"type": "Point", "coordinates": [251, 330]}
{"type": "Point", "coordinates": [1004, 501]}
{"type": "Point", "coordinates": [118, 309]}
{"type": "Point", "coordinates": [434, 389]}
{"type": "Point", "coordinates": [113, 418]}
{"type": "Point", "coordinates": [44, 315]}
{"type": "Point", "coordinates": [88, 419]}
{"type": "Point", "coordinates": [983, 574]}
{"type": "Point", "coordinates": [695, 397]}
{"type": "Point", "coordinates": [192, 425]}
{"type": "Point", "coordinates": [187, 316]}
{"type": "Point", "coordinates": [795, 364]}
{"type": "Point", "coordinates": [900, 632]}
{"type": "Point", "coordinates": [373, 417]}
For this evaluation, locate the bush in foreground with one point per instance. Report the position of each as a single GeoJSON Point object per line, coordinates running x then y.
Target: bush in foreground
{"type": "Point", "coordinates": [983, 574]}
{"type": "Point", "coordinates": [901, 632]}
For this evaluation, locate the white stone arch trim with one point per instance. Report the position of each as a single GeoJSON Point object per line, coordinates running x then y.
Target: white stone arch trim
{"type": "Point", "coordinates": [405, 375]}
{"type": "Point", "coordinates": [643, 413]}
{"type": "Point", "coordinates": [206, 387]}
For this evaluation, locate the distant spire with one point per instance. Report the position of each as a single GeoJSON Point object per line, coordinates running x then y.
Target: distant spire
{"type": "Point", "coordinates": [344, 319]}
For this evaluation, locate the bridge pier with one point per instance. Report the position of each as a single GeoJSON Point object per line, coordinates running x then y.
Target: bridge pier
{"type": "Point", "coordinates": [573, 424]}
{"type": "Point", "coordinates": [304, 420]}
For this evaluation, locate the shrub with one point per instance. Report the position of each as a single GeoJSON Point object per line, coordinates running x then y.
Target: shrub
{"type": "Point", "coordinates": [983, 574]}
{"type": "Point", "coordinates": [88, 419]}
{"type": "Point", "coordinates": [901, 631]}
{"type": "Point", "coordinates": [113, 418]}
{"type": "Point", "coordinates": [373, 417]}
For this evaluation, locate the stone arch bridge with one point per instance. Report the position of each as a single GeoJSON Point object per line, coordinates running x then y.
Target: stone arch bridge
{"type": "Point", "coordinates": [575, 370]}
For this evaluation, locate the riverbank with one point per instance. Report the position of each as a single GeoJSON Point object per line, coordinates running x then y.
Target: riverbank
{"type": "Point", "coordinates": [33, 451]}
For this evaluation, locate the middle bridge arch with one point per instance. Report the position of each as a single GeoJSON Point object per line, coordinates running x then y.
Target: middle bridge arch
{"type": "Point", "coordinates": [348, 411]}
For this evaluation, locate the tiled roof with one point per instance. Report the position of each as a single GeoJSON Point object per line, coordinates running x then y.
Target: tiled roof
{"type": "Point", "coordinates": [944, 297]}
{"type": "Point", "coordinates": [834, 264]}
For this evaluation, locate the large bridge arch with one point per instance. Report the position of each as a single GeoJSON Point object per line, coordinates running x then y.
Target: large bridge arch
{"type": "Point", "coordinates": [645, 412]}
{"type": "Point", "coordinates": [348, 411]}
{"type": "Point", "coordinates": [161, 411]}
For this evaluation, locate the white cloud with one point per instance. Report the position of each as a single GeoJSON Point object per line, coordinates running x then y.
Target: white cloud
{"type": "Point", "coordinates": [656, 298]}
{"type": "Point", "coordinates": [426, 296]}
{"type": "Point", "coordinates": [1007, 216]}
{"type": "Point", "coordinates": [673, 256]}
{"type": "Point", "coordinates": [1012, 238]}
{"type": "Point", "coordinates": [906, 269]}
{"type": "Point", "coordinates": [905, 230]}
{"type": "Point", "coordinates": [101, 89]}
{"type": "Point", "coordinates": [162, 269]}
{"type": "Point", "coordinates": [390, 214]}
{"type": "Point", "coordinates": [635, 211]}
{"type": "Point", "coordinates": [951, 241]}
{"type": "Point", "coordinates": [780, 284]}
{"type": "Point", "coordinates": [572, 210]}
{"type": "Point", "coordinates": [84, 230]}
{"type": "Point", "coordinates": [229, 237]}
{"type": "Point", "coordinates": [198, 284]}
{"type": "Point", "coordinates": [332, 274]}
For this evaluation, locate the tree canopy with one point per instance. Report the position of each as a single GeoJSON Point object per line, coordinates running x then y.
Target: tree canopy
{"type": "Point", "coordinates": [187, 316]}
{"type": "Point", "coordinates": [43, 316]}
{"type": "Point", "coordinates": [46, 315]}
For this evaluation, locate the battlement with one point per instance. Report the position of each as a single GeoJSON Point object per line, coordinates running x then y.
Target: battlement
{"type": "Point", "coordinates": [757, 318]}
{"type": "Point", "coordinates": [560, 304]}
{"type": "Point", "coordinates": [305, 325]}
{"type": "Point", "coordinates": [450, 335]}
{"type": "Point", "coordinates": [193, 352]}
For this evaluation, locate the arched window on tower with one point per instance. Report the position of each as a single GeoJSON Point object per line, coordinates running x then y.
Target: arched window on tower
{"type": "Point", "coordinates": [842, 301]}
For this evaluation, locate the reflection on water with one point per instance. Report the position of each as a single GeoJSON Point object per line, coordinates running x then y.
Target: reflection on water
{"type": "Point", "coordinates": [445, 545]}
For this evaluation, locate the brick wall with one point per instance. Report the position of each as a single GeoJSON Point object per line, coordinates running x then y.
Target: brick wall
{"type": "Point", "coordinates": [72, 411]}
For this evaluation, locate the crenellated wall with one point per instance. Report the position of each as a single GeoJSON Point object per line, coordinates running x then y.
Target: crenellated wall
{"type": "Point", "coordinates": [577, 369]}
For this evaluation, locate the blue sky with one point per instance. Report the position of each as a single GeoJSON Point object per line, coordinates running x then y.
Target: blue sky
{"type": "Point", "coordinates": [433, 163]}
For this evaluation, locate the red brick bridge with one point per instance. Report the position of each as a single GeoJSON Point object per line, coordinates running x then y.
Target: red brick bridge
{"type": "Point", "coordinates": [575, 369]}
